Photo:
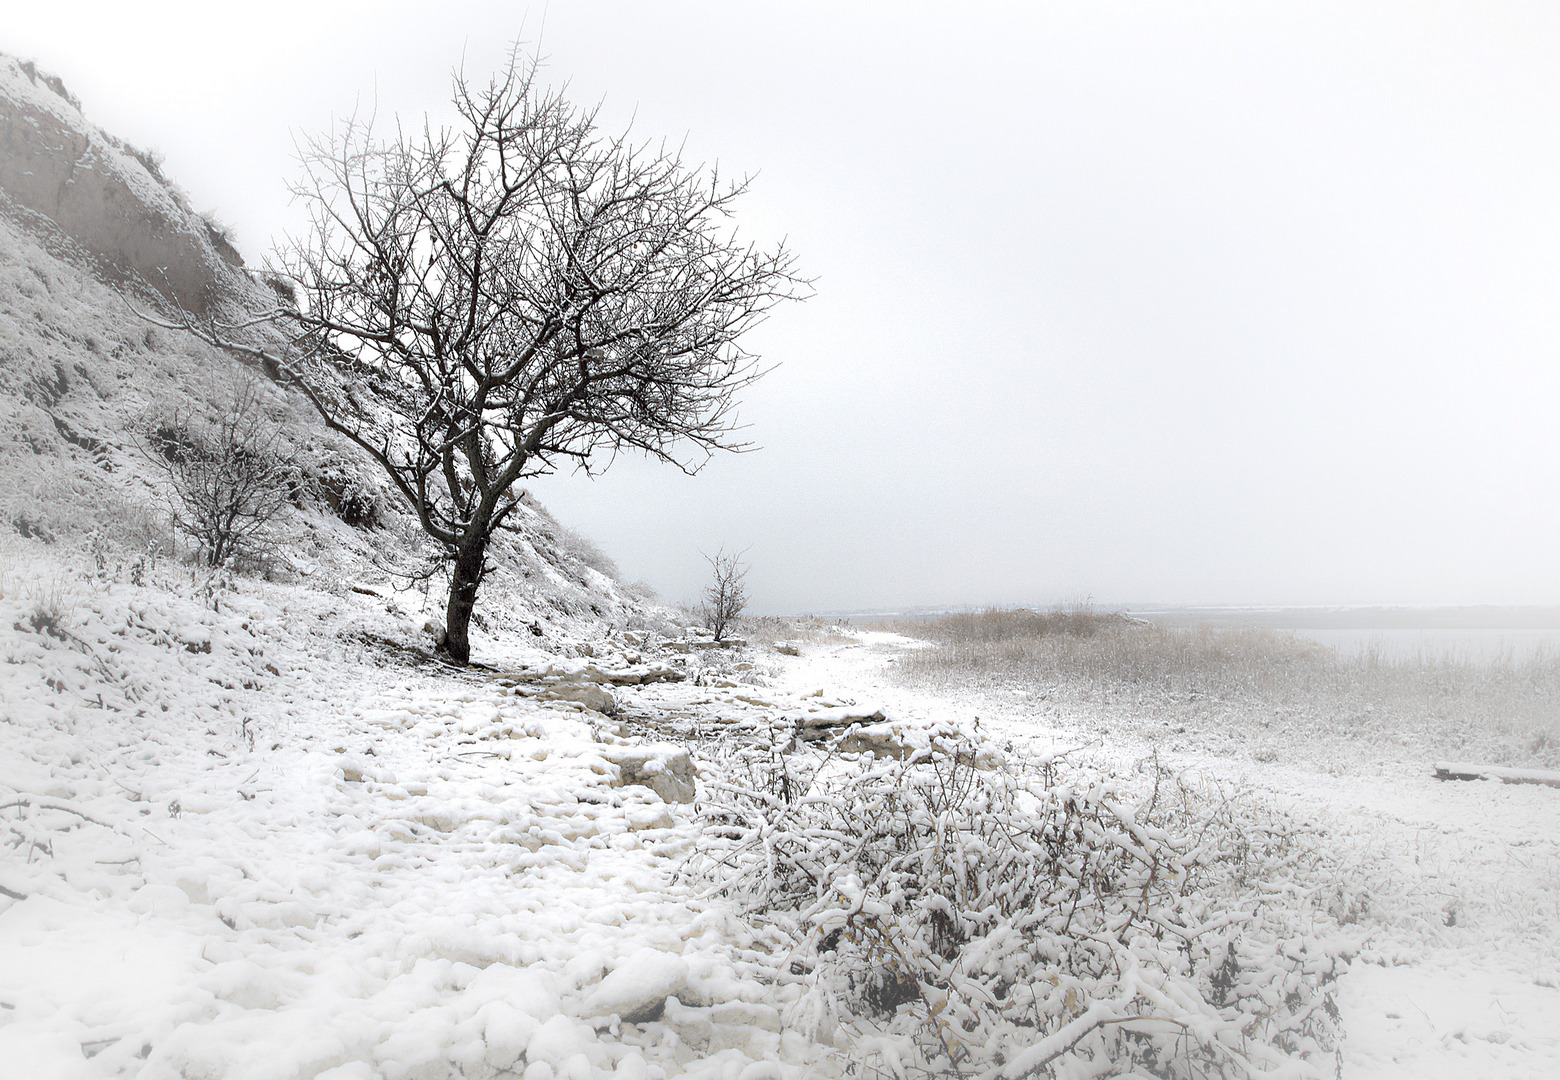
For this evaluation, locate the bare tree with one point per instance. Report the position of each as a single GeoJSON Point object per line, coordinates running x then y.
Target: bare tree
{"type": "Point", "coordinates": [726, 595]}
{"type": "Point", "coordinates": [230, 471]}
{"type": "Point", "coordinates": [484, 304]}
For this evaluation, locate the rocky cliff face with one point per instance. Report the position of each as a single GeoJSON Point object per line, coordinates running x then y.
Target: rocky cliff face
{"type": "Point", "coordinates": [101, 195]}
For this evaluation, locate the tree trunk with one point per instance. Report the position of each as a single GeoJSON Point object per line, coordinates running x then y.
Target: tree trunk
{"type": "Point", "coordinates": [464, 581]}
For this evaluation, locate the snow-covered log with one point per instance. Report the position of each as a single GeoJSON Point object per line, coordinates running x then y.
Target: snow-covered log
{"type": "Point", "coordinates": [1464, 770]}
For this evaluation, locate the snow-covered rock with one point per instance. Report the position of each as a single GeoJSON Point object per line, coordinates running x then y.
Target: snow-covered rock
{"type": "Point", "coordinates": [633, 675]}
{"type": "Point", "coordinates": [637, 989]}
{"type": "Point", "coordinates": [559, 1040]}
{"type": "Point", "coordinates": [664, 768]}
{"type": "Point", "coordinates": [824, 722]}
{"type": "Point", "coordinates": [587, 694]}
{"type": "Point", "coordinates": [884, 740]}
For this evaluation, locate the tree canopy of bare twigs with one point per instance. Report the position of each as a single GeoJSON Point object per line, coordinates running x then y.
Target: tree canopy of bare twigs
{"type": "Point", "coordinates": [489, 302]}
{"type": "Point", "coordinates": [725, 596]}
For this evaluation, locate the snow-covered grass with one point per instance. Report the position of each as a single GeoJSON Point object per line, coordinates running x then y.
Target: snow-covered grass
{"type": "Point", "coordinates": [794, 630]}
{"type": "Point", "coordinates": [1262, 691]}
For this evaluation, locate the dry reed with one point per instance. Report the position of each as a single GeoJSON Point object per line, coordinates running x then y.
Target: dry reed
{"type": "Point", "coordinates": [1269, 693]}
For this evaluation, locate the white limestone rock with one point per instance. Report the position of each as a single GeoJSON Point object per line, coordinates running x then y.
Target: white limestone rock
{"type": "Point", "coordinates": [636, 990]}
{"type": "Point", "coordinates": [664, 768]}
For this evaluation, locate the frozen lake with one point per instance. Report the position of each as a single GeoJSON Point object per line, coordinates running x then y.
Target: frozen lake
{"type": "Point", "coordinates": [1482, 634]}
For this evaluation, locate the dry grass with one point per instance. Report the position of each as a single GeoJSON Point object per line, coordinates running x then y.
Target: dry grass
{"type": "Point", "coordinates": [1270, 694]}
{"type": "Point", "coordinates": [801, 630]}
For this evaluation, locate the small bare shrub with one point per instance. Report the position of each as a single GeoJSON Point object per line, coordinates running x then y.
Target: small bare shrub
{"type": "Point", "coordinates": [726, 596]}
{"type": "Point", "coordinates": [231, 472]}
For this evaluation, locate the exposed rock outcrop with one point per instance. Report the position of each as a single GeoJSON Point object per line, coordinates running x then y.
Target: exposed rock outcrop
{"type": "Point", "coordinates": [104, 196]}
{"type": "Point", "coordinates": [664, 768]}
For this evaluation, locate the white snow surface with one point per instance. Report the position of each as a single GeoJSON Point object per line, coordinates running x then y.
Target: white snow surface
{"type": "Point", "coordinates": [1462, 977]}
{"type": "Point", "coordinates": [236, 841]}
{"type": "Point", "coordinates": [640, 984]}
{"type": "Point", "coordinates": [239, 843]}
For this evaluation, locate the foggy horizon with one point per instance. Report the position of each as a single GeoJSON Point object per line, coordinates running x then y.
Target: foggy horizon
{"type": "Point", "coordinates": [1207, 306]}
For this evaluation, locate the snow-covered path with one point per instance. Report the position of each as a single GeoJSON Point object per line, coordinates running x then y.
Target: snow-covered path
{"type": "Point", "coordinates": [350, 874]}
{"type": "Point", "coordinates": [1477, 998]}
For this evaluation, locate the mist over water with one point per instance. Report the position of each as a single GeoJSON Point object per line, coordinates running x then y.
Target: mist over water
{"type": "Point", "coordinates": [1479, 635]}
{"type": "Point", "coordinates": [1483, 634]}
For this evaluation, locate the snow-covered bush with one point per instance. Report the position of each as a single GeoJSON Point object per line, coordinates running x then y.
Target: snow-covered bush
{"type": "Point", "coordinates": [1019, 921]}
{"type": "Point", "coordinates": [343, 491]}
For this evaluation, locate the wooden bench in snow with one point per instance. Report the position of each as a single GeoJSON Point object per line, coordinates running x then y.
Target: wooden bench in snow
{"type": "Point", "coordinates": [1463, 770]}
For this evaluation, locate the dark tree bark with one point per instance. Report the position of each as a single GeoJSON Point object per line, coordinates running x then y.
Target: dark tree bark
{"type": "Point", "coordinates": [486, 304]}
{"type": "Point", "coordinates": [465, 579]}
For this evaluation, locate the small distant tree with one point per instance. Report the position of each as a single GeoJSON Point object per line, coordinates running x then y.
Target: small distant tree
{"type": "Point", "coordinates": [230, 471]}
{"type": "Point", "coordinates": [726, 595]}
{"type": "Point", "coordinates": [481, 305]}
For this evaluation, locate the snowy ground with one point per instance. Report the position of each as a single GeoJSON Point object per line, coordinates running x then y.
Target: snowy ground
{"type": "Point", "coordinates": [1480, 997]}
{"type": "Point", "coordinates": [243, 840]}
{"type": "Point", "coordinates": [242, 844]}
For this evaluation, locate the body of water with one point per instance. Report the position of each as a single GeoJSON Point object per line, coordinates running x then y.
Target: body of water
{"type": "Point", "coordinates": [1482, 634]}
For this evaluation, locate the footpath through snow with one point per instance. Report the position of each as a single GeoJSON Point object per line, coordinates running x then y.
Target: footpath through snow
{"type": "Point", "coordinates": [229, 856]}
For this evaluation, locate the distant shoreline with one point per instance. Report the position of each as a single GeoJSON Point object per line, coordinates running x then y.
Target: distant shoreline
{"type": "Point", "coordinates": [1470, 617]}
{"type": "Point", "coordinates": [1363, 617]}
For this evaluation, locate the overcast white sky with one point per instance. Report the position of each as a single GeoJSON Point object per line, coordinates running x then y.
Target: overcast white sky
{"type": "Point", "coordinates": [1248, 303]}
